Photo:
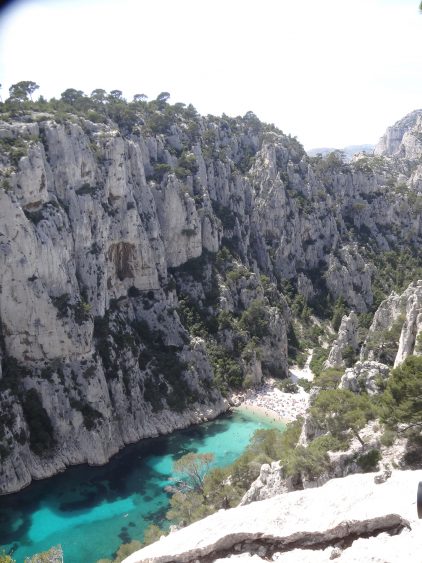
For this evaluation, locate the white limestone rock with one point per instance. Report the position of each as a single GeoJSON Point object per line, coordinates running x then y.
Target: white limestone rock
{"type": "Point", "coordinates": [271, 482]}
{"type": "Point", "coordinates": [353, 510]}
{"type": "Point", "coordinates": [412, 326]}
{"type": "Point", "coordinates": [401, 138]}
{"type": "Point", "coordinates": [399, 312]}
{"type": "Point", "coordinates": [346, 338]}
{"type": "Point", "coordinates": [349, 277]}
{"type": "Point", "coordinates": [180, 225]}
{"type": "Point", "coordinates": [365, 376]}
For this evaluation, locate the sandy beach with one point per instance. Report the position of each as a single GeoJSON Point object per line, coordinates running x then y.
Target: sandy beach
{"type": "Point", "coordinates": [268, 400]}
{"type": "Point", "coordinates": [262, 411]}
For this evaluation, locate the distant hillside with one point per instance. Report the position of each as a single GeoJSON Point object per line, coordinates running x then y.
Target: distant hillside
{"type": "Point", "coordinates": [349, 151]}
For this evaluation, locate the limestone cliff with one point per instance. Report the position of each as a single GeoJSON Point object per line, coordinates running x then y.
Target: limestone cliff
{"type": "Point", "coordinates": [142, 263]}
{"type": "Point", "coordinates": [395, 330]}
{"type": "Point", "coordinates": [402, 138]}
{"type": "Point", "coordinates": [346, 341]}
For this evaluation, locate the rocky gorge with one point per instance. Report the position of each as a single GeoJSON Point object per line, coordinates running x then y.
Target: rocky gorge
{"type": "Point", "coordinates": [153, 260]}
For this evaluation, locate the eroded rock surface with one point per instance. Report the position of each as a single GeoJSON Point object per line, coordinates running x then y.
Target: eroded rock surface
{"type": "Point", "coordinates": [346, 341]}
{"type": "Point", "coordinates": [393, 334]}
{"type": "Point", "coordinates": [367, 521]}
{"type": "Point", "coordinates": [365, 376]}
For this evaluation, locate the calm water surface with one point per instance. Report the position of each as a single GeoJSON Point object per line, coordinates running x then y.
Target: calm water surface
{"type": "Point", "coordinates": [90, 511]}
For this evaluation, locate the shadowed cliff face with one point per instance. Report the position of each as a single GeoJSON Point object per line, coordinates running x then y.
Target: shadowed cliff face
{"type": "Point", "coordinates": [131, 264]}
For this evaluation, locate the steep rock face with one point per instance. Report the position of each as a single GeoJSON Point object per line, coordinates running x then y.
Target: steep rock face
{"type": "Point", "coordinates": [131, 263]}
{"type": "Point", "coordinates": [346, 340]}
{"type": "Point", "coordinates": [393, 334]}
{"type": "Point", "coordinates": [402, 139]}
{"type": "Point", "coordinates": [360, 519]}
{"type": "Point", "coordinates": [412, 326]}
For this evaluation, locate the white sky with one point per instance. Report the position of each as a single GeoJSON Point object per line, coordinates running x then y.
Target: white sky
{"type": "Point", "coordinates": [331, 72]}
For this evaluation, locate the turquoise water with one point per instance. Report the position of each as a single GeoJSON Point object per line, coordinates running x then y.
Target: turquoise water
{"type": "Point", "coordinates": [90, 511]}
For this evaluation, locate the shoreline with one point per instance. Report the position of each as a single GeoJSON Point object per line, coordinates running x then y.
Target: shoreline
{"type": "Point", "coordinates": [262, 411]}
{"type": "Point", "coordinates": [269, 401]}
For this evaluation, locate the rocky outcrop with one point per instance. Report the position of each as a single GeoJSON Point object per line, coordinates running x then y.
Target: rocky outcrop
{"type": "Point", "coordinates": [354, 517]}
{"type": "Point", "coordinates": [393, 334]}
{"type": "Point", "coordinates": [270, 482]}
{"type": "Point", "coordinates": [369, 377]}
{"type": "Point", "coordinates": [349, 277]}
{"type": "Point", "coordinates": [412, 326]}
{"type": "Point", "coordinates": [346, 342]}
{"type": "Point", "coordinates": [402, 139]}
{"type": "Point", "coordinates": [273, 480]}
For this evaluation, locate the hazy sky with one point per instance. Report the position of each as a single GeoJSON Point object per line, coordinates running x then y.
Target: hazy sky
{"type": "Point", "coordinates": [331, 72]}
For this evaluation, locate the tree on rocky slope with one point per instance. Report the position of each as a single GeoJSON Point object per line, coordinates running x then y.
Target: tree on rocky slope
{"type": "Point", "coordinates": [22, 90]}
{"type": "Point", "coordinates": [402, 400]}
{"type": "Point", "coordinates": [342, 412]}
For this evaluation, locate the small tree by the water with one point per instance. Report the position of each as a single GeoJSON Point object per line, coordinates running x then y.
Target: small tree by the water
{"type": "Point", "coordinates": [190, 471]}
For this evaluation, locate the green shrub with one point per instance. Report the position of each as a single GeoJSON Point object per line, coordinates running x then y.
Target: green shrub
{"type": "Point", "coordinates": [413, 455]}
{"type": "Point", "coordinates": [82, 312]}
{"type": "Point", "coordinates": [341, 412]}
{"type": "Point", "coordinates": [160, 170]}
{"type": "Point", "coordinates": [305, 384]}
{"type": "Point", "coordinates": [90, 415]}
{"type": "Point", "coordinates": [187, 161]}
{"type": "Point", "coordinates": [237, 273]}
{"type": "Point", "coordinates": [338, 313]}
{"type": "Point", "coordinates": [62, 304]}
{"type": "Point", "coordinates": [385, 343]}
{"type": "Point", "coordinates": [328, 379]}
{"type": "Point", "coordinates": [401, 401]}
{"type": "Point", "coordinates": [318, 358]}
{"type": "Point", "coordinates": [388, 437]}
{"type": "Point", "coordinates": [255, 319]}
{"type": "Point", "coordinates": [225, 214]}
{"type": "Point", "coordinates": [287, 386]}
{"type": "Point", "coordinates": [369, 461]}
{"type": "Point", "coordinates": [312, 460]}
{"type": "Point", "coordinates": [228, 372]}
{"type": "Point", "coordinates": [349, 356]}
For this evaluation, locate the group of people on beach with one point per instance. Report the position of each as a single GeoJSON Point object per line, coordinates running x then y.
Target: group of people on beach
{"type": "Point", "coordinates": [273, 402]}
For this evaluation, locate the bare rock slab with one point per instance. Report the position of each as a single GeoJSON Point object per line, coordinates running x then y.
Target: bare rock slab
{"type": "Point", "coordinates": [348, 519]}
